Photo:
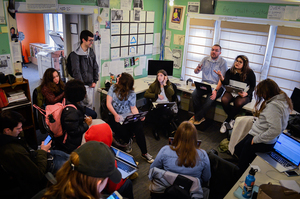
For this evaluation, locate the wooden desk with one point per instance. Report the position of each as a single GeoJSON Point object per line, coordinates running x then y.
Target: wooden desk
{"type": "Point", "coordinates": [267, 174]}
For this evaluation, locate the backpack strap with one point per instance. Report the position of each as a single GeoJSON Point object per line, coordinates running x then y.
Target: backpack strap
{"type": "Point", "coordinates": [42, 111]}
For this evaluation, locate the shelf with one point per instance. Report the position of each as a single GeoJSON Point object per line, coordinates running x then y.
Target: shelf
{"type": "Point", "coordinates": [5, 85]}
{"type": "Point", "coordinates": [17, 105]}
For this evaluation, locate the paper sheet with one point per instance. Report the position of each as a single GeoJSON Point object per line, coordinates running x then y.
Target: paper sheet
{"type": "Point", "coordinates": [105, 51]}
{"type": "Point", "coordinates": [41, 4]}
{"type": "Point", "coordinates": [129, 70]}
{"type": "Point", "coordinates": [168, 53]}
{"type": "Point", "coordinates": [155, 50]}
{"type": "Point", "coordinates": [126, 4]}
{"type": "Point", "coordinates": [115, 28]}
{"type": "Point", "coordinates": [178, 39]}
{"type": "Point", "coordinates": [150, 16]}
{"type": "Point", "coordinates": [114, 53]}
{"type": "Point", "coordinates": [177, 55]}
{"type": "Point", "coordinates": [16, 51]}
{"type": "Point", "coordinates": [291, 12]}
{"type": "Point", "coordinates": [168, 37]}
{"type": "Point", "coordinates": [156, 40]}
{"type": "Point", "coordinates": [143, 60]}
{"type": "Point", "coordinates": [4, 29]}
{"type": "Point", "coordinates": [276, 12]}
{"type": "Point", "coordinates": [125, 28]}
{"type": "Point", "coordinates": [2, 17]}
{"type": "Point", "coordinates": [105, 36]}
{"type": "Point", "coordinates": [5, 64]}
{"type": "Point", "coordinates": [148, 49]}
{"type": "Point", "coordinates": [105, 69]}
{"type": "Point", "coordinates": [193, 7]}
{"type": "Point", "coordinates": [138, 70]}
{"type": "Point", "coordinates": [104, 14]}
{"type": "Point", "coordinates": [116, 67]}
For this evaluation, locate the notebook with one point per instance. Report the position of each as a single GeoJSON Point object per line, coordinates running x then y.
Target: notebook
{"type": "Point", "coordinates": [129, 118]}
{"type": "Point", "coordinates": [126, 163]}
{"type": "Point", "coordinates": [203, 86]}
{"type": "Point", "coordinates": [163, 105]}
{"type": "Point", "coordinates": [285, 155]}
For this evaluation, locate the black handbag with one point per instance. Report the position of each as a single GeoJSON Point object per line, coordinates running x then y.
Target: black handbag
{"type": "Point", "coordinates": [180, 188]}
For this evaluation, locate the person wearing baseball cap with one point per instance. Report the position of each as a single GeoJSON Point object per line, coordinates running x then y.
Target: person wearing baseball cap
{"type": "Point", "coordinates": [86, 173]}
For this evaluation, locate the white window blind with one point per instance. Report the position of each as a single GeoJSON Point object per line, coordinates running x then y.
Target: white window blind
{"type": "Point", "coordinates": [200, 41]}
{"type": "Point", "coordinates": [285, 62]}
{"type": "Point", "coordinates": [244, 39]}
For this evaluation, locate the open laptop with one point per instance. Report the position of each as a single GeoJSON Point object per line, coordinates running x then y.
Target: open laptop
{"type": "Point", "coordinates": [203, 86]}
{"type": "Point", "coordinates": [233, 89]}
{"type": "Point", "coordinates": [129, 118]}
{"type": "Point", "coordinates": [126, 163]}
{"type": "Point", "coordinates": [285, 155]}
{"type": "Point", "coordinates": [163, 105]}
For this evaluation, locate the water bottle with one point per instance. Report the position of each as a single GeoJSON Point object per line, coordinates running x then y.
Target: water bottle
{"type": "Point", "coordinates": [249, 183]}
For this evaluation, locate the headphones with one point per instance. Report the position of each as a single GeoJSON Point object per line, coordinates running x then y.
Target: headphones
{"type": "Point", "coordinates": [189, 80]}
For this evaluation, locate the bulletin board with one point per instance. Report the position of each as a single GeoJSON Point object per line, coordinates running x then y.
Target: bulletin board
{"type": "Point", "coordinates": [131, 36]}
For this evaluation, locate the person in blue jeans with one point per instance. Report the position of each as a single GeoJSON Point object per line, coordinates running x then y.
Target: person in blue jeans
{"type": "Point", "coordinates": [208, 66]}
{"type": "Point", "coordinates": [27, 166]}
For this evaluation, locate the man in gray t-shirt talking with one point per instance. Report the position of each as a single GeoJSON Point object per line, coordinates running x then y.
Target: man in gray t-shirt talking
{"type": "Point", "coordinates": [208, 65]}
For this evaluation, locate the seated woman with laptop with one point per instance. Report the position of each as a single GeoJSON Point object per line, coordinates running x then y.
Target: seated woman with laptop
{"type": "Point", "coordinates": [272, 108]}
{"type": "Point", "coordinates": [240, 72]}
{"type": "Point", "coordinates": [160, 91]}
{"type": "Point", "coordinates": [121, 100]}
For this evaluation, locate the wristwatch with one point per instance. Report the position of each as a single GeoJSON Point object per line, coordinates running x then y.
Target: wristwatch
{"type": "Point", "coordinates": [216, 90]}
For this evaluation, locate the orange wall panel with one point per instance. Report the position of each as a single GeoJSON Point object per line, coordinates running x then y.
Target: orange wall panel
{"type": "Point", "coordinates": [32, 25]}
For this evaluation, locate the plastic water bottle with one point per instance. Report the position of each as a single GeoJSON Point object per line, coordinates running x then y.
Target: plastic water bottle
{"type": "Point", "coordinates": [249, 183]}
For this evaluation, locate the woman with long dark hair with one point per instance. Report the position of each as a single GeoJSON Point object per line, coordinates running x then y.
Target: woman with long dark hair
{"type": "Point", "coordinates": [52, 88]}
{"type": "Point", "coordinates": [241, 72]}
{"type": "Point", "coordinates": [160, 91]}
{"type": "Point", "coordinates": [184, 156]}
{"type": "Point", "coordinates": [272, 108]}
{"type": "Point", "coordinates": [121, 101]}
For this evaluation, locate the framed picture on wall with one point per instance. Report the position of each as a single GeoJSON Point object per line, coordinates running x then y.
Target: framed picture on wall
{"type": "Point", "coordinates": [73, 28]}
{"type": "Point", "coordinates": [177, 14]}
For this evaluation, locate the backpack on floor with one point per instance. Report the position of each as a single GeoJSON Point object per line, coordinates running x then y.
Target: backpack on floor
{"type": "Point", "coordinates": [52, 115]}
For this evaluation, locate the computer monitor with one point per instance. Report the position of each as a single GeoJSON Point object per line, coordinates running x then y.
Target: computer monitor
{"type": "Point", "coordinates": [156, 65]}
{"type": "Point", "coordinates": [296, 99]}
{"type": "Point", "coordinates": [58, 40]}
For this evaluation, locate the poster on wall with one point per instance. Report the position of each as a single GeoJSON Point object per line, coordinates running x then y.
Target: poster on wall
{"type": "Point", "coordinates": [2, 18]}
{"type": "Point", "coordinates": [177, 55]}
{"type": "Point", "coordinates": [193, 7]}
{"type": "Point", "coordinates": [103, 3]}
{"type": "Point", "coordinates": [176, 17]}
{"type": "Point", "coordinates": [5, 64]}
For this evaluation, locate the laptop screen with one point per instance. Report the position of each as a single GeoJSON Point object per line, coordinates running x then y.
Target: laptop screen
{"type": "Point", "coordinates": [123, 156]}
{"type": "Point", "coordinates": [288, 148]}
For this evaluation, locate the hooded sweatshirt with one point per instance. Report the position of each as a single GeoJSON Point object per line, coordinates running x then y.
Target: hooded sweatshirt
{"type": "Point", "coordinates": [84, 66]}
{"type": "Point", "coordinates": [271, 121]}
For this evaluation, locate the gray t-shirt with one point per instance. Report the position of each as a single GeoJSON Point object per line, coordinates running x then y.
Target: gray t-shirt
{"type": "Point", "coordinates": [122, 107]}
{"type": "Point", "coordinates": [208, 67]}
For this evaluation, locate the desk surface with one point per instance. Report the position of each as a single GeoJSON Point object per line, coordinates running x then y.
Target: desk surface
{"type": "Point", "coordinates": [267, 174]}
{"type": "Point", "coordinates": [142, 84]}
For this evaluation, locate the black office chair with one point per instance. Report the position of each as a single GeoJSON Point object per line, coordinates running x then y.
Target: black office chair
{"type": "Point", "coordinates": [224, 175]}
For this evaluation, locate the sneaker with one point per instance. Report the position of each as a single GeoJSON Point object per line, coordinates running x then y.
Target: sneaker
{"type": "Point", "coordinates": [223, 127]}
{"type": "Point", "coordinates": [148, 157]}
{"type": "Point", "coordinates": [199, 122]}
{"type": "Point", "coordinates": [128, 148]}
{"type": "Point", "coordinates": [192, 119]}
{"type": "Point", "coordinates": [231, 123]}
{"type": "Point", "coordinates": [133, 176]}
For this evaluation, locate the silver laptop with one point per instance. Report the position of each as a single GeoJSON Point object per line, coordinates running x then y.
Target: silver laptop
{"type": "Point", "coordinates": [285, 155]}
{"type": "Point", "coordinates": [126, 163]}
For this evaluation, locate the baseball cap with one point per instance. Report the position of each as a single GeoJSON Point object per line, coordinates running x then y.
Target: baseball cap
{"type": "Point", "coordinates": [97, 160]}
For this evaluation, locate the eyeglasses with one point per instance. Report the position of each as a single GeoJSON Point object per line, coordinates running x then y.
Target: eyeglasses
{"type": "Point", "coordinates": [91, 40]}
{"type": "Point", "coordinates": [240, 62]}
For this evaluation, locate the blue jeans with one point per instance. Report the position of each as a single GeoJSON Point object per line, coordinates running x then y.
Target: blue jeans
{"type": "Point", "coordinates": [200, 109]}
{"type": "Point", "coordinates": [59, 158]}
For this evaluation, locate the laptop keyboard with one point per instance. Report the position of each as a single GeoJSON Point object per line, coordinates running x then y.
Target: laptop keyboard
{"type": "Point", "coordinates": [124, 167]}
{"type": "Point", "coordinates": [280, 160]}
